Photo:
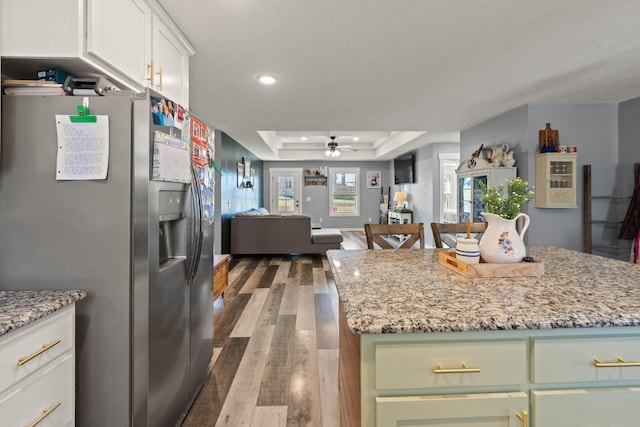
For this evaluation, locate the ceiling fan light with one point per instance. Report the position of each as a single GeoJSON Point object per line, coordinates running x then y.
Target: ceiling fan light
{"type": "Point", "coordinates": [335, 153]}
{"type": "Point", "coordinates": [327, 153]}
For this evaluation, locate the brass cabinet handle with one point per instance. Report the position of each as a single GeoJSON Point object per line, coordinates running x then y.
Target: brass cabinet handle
{"type": "Point", "coordinates": [151, 73]}
{"type": "Point", "coordinates": [524, 417]}
{"type": "Point", "coordinates": [463, 370]}
{"type": "Point", "coordinates": [620, 363]}
{"type": "Point", "coordinates": [159, 86]}
{"type": "Point", "coordinates": [45, 347]}
{"type": "Point", "coordinates": [45, 414]}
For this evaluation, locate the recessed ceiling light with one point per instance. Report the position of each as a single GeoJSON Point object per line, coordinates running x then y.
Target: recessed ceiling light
{"type": "Point", "coordinates": [304, 138]}
{"type": "Point", "coordinates": [267, 79]}
{"type": "Point", "coordinates": [355, 138]}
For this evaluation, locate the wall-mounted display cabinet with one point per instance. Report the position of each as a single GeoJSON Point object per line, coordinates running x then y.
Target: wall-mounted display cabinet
{"type": "Point", "coordinates": [556, 180]}
{"type": "Point", "coordinates": [469, 193]}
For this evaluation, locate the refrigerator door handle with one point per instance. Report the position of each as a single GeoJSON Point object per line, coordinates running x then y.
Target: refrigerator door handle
{"type": "Point", "coordinates": [194, 235]}
{"type": "Point", "coordinates": [200, 234]}
{"type": "Point", "coordinates": [196, 249]}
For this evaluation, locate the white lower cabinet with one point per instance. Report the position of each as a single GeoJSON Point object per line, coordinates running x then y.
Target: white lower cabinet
{"type": "Point", "coordinates": [37, 372]}
{"type": "Point", "coordinates": [597, 407]}
{"type": "Point", "coordinates": [46, 396]}
{"type": "Point", "coordinates": [477, 410]}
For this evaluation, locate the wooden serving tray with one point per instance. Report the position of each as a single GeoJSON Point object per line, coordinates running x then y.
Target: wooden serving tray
{"type": "Point", "coordinates": [484, 269]}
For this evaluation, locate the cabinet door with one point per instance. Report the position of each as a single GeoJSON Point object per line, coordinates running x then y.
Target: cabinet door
{"type": "Point", "coordinates": [472, 410]}
{"type": "Point", "coordinates": [586, 408]}
{"type": "Point", "coordinates": [464, 199]}
{"type": "Point", "coordinates": [171, 64]}
{"type": "Point", "coordinates": [119, 33]}
{"type": "Point", "coordinates": [478, 206]}
{"type": "Point", "coordinates": [36, 28]}
{"type": "Point", "coordinates": [556, 180]}
{"type": "Point", "coordinates": [48, 393]}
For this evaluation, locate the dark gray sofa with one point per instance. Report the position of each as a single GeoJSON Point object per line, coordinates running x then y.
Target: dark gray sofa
{"type": "Point", "coordinates": [256, 232]}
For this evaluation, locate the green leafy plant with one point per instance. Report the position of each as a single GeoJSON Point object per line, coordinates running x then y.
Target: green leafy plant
{"type": "Point", "coordinates": [506, 204]}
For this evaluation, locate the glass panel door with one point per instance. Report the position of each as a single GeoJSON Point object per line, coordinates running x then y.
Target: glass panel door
{"type": "Point", "coordinates": [464, 199]}
{"type": "Point", "coordinates": [478, 206]}
{"type": "Point", "coordinates": [285, 191]}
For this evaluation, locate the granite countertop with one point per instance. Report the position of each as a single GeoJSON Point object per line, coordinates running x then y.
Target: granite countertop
{"type": "Point", "coordinates": [19, 308]}
{"type": "Point", "coordinates": [404, 291]}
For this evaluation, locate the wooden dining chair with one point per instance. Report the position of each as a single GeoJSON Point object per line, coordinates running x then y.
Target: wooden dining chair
{"type": "Point", "coordinates": [411, 233]}
{"type": "Point", "coordinates": [445, 233]}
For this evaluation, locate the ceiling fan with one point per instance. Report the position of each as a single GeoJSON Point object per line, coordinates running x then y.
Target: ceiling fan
{"type": "Point", "coordinates": [332, 148]}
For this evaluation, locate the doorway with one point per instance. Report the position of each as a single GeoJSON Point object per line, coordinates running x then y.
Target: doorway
{"type": "Point", "coordinates": [448, 190]}
{"type": "Point", "coordinates": [286, 191]}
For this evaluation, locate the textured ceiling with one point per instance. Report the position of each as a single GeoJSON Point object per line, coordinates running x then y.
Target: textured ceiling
{"type": "Point", "coordinates": [434, 66]}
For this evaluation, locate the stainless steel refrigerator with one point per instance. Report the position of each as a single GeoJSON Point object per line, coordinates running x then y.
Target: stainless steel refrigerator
{"type": "Point", "coordinates": [141, 248]}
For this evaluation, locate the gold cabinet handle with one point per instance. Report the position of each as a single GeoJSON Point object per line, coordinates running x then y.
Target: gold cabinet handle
{"type": "Point", "coordinates": [159, 86]}
{"type": "Point", "coordinates": [151, 73]}
{"type": "Point", "coordinates": [463, 370]}
{"type": "Point", "coordinates": [620, 363]}
{"type": "Point", "coordinates": [45, 414]}
{"type": "Point", "coordinates": [45, 347]}
{"type": "Point", "coordinates": [524, 417]}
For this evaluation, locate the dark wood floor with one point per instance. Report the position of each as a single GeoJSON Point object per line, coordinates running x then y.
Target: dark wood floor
{"type": "Point", "coordinates": [275, 359]}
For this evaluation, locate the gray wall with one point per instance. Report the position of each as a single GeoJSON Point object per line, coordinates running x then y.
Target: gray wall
{"type": "Point", "coordinates": [593, 128]}
{"type": "Point", "coordinates": [318, 206]}
{"type": "Point", "coordinates": [424, 196]}
{"type": "Point", "coordinates": [629, 148]}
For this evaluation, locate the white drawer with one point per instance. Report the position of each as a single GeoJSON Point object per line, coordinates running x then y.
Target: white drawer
{"type": "Point", "coordinates": [591, 407]}
{"type": "Point", "coordinates": [30, 339]}
{"type": "Point", "coordinates": [573, 359]}
{"type": "Point", "coordinates": [427, 365]}
{"type": "Point", "coordinates": [485, 409]}
{"type": "Point", "coordinates": [28, 400]}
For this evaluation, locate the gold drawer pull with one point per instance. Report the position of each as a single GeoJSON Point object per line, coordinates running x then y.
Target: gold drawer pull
{"type": "Point", "coordinates": [45, 347]}
{"type": "Point", "coordinates": [45, 414]}
{"type": "Point", "coordinates": [523, 416]}
{"type": "Point", "coordinates": [463, 370]}
{"type": "Point", "coordinates": [620, 363]}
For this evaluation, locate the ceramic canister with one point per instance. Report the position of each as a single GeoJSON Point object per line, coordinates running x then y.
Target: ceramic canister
{"type": "Point", "coordinates": [467, 250]}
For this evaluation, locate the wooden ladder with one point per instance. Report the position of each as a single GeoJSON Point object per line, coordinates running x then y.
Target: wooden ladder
{"type": "Point", "coordinates": [587, 213]}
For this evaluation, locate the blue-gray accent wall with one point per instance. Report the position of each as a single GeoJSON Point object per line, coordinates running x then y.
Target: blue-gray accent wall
{"type": "Point", "coordinates": [233, 199]}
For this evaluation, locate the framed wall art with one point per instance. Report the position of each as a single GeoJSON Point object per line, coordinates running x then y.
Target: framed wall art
{"type": "Point", "coordinates": [373, 179]}
{"type": "Point", "coordinates": [240, 174]}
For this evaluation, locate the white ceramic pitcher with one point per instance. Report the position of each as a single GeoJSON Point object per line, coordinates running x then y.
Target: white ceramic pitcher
{"type": "Point", "coordinates": [501, 243]}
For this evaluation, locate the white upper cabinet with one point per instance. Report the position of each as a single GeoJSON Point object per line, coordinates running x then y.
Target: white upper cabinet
{"type": "Point", "coordinates": [133, 43]}
{"type": "Point", "coordinates": [119, 33]}
{"type": "Point", "coordinates": [170, 63]}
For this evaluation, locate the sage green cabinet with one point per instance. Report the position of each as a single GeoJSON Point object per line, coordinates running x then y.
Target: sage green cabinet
{"type": "Point", "coordinates": [617, 407]}
{"type": "Point", "coordinates": [477, 410]}
{"type": "Point", "coordinates": [534, 378]}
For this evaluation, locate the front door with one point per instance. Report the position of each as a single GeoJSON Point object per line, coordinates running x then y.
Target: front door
{"type": "Point", "coordinates": [286, 191]}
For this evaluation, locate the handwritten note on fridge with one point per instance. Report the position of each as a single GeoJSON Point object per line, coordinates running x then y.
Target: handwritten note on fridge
{"type": "Point", "coordinates": [83, 148]}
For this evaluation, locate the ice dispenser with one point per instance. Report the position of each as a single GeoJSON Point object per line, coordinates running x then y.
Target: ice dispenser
{"type": "Point", "coordinates": [173, 224]}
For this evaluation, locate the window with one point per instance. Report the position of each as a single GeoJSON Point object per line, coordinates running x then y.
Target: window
{"type": "Point", "coordinates": [344, 192]}
{"type": "Point", "coordinates": [448, 203]}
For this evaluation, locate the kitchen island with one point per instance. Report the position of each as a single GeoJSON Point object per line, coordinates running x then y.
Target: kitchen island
{"type": "Point", "coordinates": [422, 345]}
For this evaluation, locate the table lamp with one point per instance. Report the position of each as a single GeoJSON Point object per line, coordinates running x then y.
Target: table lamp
{"type": "Point", "coordinates": [399, 199]}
